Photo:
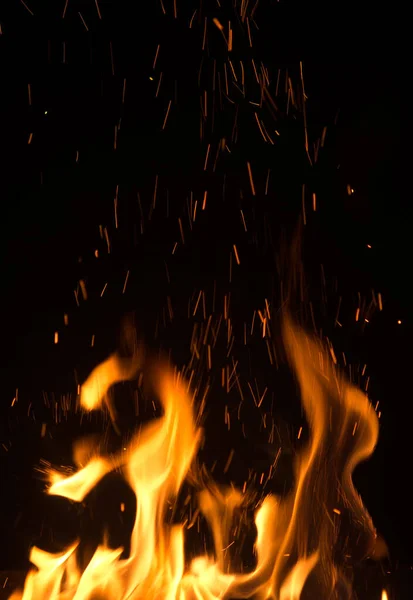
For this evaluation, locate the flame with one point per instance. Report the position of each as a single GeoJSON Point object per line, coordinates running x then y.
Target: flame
{"type": "Point", "coordinates": [298, 536]}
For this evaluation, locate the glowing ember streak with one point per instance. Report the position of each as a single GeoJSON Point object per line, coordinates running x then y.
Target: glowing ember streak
{"type": "Point", "coordinates": [296, 534]}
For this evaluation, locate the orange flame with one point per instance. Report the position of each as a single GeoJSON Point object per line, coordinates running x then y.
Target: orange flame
{"type": "Point", "coordinates": [298, 536]}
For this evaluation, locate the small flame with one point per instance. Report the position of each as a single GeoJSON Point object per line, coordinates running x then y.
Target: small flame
{"type": "Point", "coordinates": [298, 536]}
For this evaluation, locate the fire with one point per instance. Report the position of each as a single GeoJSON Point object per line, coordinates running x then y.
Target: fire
{"type": "Point", "coordinates": [298, 537]}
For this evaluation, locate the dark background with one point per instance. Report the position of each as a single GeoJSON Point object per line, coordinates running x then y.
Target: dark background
{"type": "Point", "coordinates": [52, 206]}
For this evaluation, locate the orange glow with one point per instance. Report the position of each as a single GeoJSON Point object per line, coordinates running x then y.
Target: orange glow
{"type": "Point", "coordinates": [295, 533]}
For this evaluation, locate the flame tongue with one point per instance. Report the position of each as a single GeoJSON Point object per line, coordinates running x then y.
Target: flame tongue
{"type": "Point", "coordinates": [296, 535]}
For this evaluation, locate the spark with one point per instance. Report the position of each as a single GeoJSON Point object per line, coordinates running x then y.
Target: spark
{"type": "Point", "coordinates": [249, 33]}
{"type": "Point", "coordinates": [204, 36]}
{"type": "Point", "coordinates": [379, 298]}
{"type": "Point", "coordinates": [218, 24]}
{"type": "Point", "coordinates": [27, 8]}
{"type": "Point", "coordinates": [126, 281]}
{"type": "Point", "coordinates": [192, 19]}
{"type": "Point", "coordinates": [155, 191]}
{"type": "Point", "coordinates": [83, 21]}
{"type": "Point", "coordinates": [260, 128]}
{"type": "Point", "coordinates": [207, 152]}
{"type": "Point", "coordinates": [167, 113]}
{"type": "Point", "coordinates": [156, 56]}
{"type": "Point", "coordinates": [243, 220]}
{"type": "Point", "coordinates": [267, 182]}
{"type": "Point", "coordinates": [236, 255]}
{"type": "Point", "coordinates": [205, 200]}
{"type": "Point", "coordinates": [159, 85]}
{"type": "Point", "coordinates": [227, 465]}
{"type": "Point", "coordinates": [98, 10]}
{"type": "Point", "coordinates": [251, 179]}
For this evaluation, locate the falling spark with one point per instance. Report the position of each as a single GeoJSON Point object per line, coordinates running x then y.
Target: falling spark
{"type": "Point", "coordinates": [227, 464]}
{"type": "Point", "coordinates": [379, 298]}
{"type": "Point", "coordinates": [83, 21]}
{"type": "Point", "coordinates": [236, 255]}
{"type": "Point", "coordinates": [243, 221]}
{"type": "Point", "coordinates": [218, 24]}
{"type": "Point", "coordinates": [159, 85]}
{"type": "Point", "coordinates": [98, 10]}
{"type": "Point", "coordinates": [167, 113]}
{"type": "Point", "coordinates": [205, 200]}
{"type": "Point", "coordinates": [156, 56]}
{"type": "Point", "coordinates": [206, 157]}
{"type": "Point", "coordinates": [126, 282]}
{"type": "Point", "coordinates": [83, 288]}
{"type": "Point", "coordinates": [251, 179]}
{"type": "Point", "coordinates": [155, 191]}
{"type": "Point", "coordinates": [267, 181]}
{"type": "Point", "coordinates": [27, 8]}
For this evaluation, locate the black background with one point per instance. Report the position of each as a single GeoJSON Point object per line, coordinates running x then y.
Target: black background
{"type": "Point", "coordinates": [355, 68]}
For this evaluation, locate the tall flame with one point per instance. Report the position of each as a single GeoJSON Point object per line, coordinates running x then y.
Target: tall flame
{"type": "Point", "coordinates": [298, 536]}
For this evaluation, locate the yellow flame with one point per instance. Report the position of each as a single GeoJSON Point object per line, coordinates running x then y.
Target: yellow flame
{"type": "Point", "coordinates": [296, 534]}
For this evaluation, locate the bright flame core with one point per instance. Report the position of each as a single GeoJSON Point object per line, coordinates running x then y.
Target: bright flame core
{"type": "Point", "coordinates": [297, 535]}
